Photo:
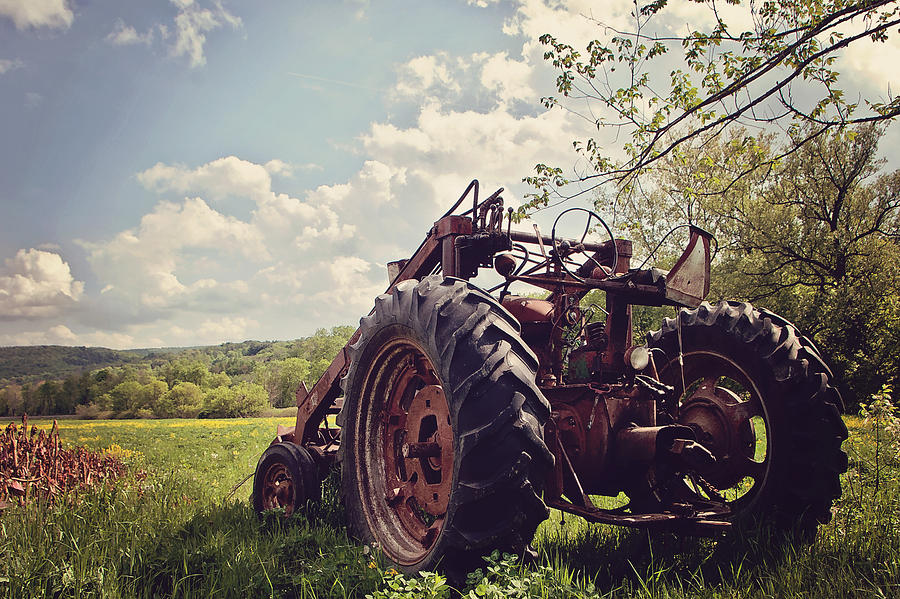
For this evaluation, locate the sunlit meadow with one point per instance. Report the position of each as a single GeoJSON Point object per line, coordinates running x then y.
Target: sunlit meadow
{"type": "Point", "coordinates": [180, 531]}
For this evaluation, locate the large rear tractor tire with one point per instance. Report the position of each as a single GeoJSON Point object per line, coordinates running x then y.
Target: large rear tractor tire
{"type": "Point", "coordinates": [759, 397]}
{"type": "Point", "coordinates": [442, 452]}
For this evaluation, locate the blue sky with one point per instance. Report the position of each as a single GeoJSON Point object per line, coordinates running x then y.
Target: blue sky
{"type": "Point", "coordinates": [186, 172]}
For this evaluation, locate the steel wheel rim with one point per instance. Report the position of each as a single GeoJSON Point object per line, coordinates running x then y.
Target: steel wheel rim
{"type": "Point", "coordinates": [406, 443]}
{"type": "Point", "coordinates": [278, 489]}
{"type": "Point", "coordinates": [724, 420]}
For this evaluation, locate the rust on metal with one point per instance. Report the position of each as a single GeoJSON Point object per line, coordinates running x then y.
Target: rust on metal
{"type": "Point", "coordinates": [34, 464]}
{"type": "Point", "coordinates": [605, 395]}
{"type": "Point", "coordinates": [278, 489]}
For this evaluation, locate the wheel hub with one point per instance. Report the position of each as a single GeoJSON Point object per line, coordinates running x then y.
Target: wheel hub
{"type": "Point", "coordinates": [278, 489]}
{"type": "Point", "coordinates": [410, 451]}
{"type": "Point", "coordinates": [722, 421]}
{"type": "Point", "coordinates": [425, 445]}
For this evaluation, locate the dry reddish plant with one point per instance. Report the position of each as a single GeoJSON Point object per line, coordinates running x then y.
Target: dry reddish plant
{"type": "Point", "coordinates": [35, 465]}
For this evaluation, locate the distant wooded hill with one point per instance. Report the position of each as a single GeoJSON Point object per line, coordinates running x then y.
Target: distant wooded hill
{"type": "Point", "coordinates": [37, 362]}
{"type": "Point", "coordinates": [220, 380]}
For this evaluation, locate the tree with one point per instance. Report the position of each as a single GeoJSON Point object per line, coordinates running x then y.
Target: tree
{"type": "Point", "coordinates": [821, 244]}
{"type": "Point", "coordinates": [218, 379]}
{"type": "Point", "coordinates": [780, 72]}
{"type": "Point", "coordinates": [184, 400]}
{"type": "Point", "coordinates": [46, 396]}
{"type": "Point", "coordinates": [127, 395]}
{"type": "Point", "coordinates": [151, 394]}
{"type": "Point", "coordinates": [241, 400]}
{"type": "Point", "coordinates": [76, 388]}
{"type": "Point", "coordinates": [11, 400]}
{"type": "Point", "coordinates": [321, 348]}
{"type": "Point", "coordinates": [184, 370]}
{"type": "Point", "coordinates": [282, 378]}
{"type": "Point", "coordinates": [814, 238]}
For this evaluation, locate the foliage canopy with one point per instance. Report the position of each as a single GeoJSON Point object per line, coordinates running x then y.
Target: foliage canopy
{"type": "Point", "coordinates": [759, 64]}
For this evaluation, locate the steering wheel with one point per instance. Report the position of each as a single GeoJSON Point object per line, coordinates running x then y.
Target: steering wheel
{"type": "Point", "coordinates": [564, 250]}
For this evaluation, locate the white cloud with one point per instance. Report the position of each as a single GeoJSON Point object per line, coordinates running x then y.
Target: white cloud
{"type": "Point", "coordinates": [362, 8]}
{"type": "Point", "coordinates": [53, 14]}
{"type": "Point", "coordinates": [143, 264]}
{"type": "Point", "coordinates": [278, 167]}
{"type": "Point", "coordinates": [187, 259]}
{"type": "Point", "coordinates": [430, 74]}
{"type": "Point", "coordinates": [193, 271]}
{"type": "Point", "coordinates": [278, 217]}
{"type": "Point", "coordinates": [322, 248]}
{"type": "Point", "coordinates": [224, 177]}
{"type": "Point", "coordinates": [873, 66]}
{"type": "Point", "coordinates": [214, 331]}
{"type": "Point", "coordinates": [55, 335]}
{"type": "Point", "coordinates": [446, 148]}
{"type": "Point", "coordinates": [7, 65]}
{"type": "Point", "coordinates": [512, 79]}
{"type": "Point", "coordinates": [192, 24]}
{"type": "Point", "coordinates": [62, 335]}
{"type": "Point", "coordinates": [571, 21]}
{"type": "Point", "coordinates": [126, 35]}
{"type": "Point", "coordinates": [36, 283]}
{"type": "Point", "coordinates": [350, 284]}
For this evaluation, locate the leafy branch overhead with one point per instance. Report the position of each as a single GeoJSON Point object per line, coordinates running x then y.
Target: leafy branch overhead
{"type": "Point", "coordinates": [778, 71]}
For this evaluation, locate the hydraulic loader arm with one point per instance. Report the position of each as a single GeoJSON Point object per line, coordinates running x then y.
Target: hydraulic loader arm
{"type": "Point", "coordinates": [439, 247]}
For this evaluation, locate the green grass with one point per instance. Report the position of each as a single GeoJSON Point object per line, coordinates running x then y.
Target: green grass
{"type": "Point", "coordinates": [175, 534]}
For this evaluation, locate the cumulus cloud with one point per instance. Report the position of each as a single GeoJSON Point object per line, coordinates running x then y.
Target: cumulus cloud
{"type": "Point", "coordinates": [872, 65]}
{"type": "Point", "coordinates": [192, 24]}
{"type": "Point", "coordinates": [224, 177]}
{"type": "Point", "coordinates": [444, 149]}
{"type": "Point", "coordinates": [228, 253]}
{"type": "Point", "coordinates": [55, 335]}
{"type": "Point", "coordinates": [143, 264]}
{"type": "Point", "coordinates": [350, 282]}
{"type": "Point", "coordinates": [35, 283]}
{"type": "Point", "coordinates": [280, 218]}
{"type": "Point", "coordinates": [431, 74]}
{"type": "Point", "coordinates": [189, 259]}
{"type": "Point", "coordinates": [26, 14]}
{"type": "Point", "coordinates": [318, 252]}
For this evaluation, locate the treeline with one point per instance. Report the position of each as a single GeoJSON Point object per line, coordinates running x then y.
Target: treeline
{"type": "Point", "coordinates": [229, 380]}
{"type": "Point", "coordinates": [812, 234]}
{"type": "Point", "coordinates": [32, 363]}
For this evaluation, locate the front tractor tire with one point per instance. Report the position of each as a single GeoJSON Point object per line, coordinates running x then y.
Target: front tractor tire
{"type": "Point", "coordinates": [759, 397]}
{"type": "Point", "coordinates": [442, 453]}
{"type": "Point", "coordinates": [286, 478]}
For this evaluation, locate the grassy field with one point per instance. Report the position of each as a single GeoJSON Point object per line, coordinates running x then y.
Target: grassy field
{"type": "Point", "coordinates": [176, 533]}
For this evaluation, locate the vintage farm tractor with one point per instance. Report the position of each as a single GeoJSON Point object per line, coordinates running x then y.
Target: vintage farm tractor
{"type": "Point", "coordinates": [463, 416]}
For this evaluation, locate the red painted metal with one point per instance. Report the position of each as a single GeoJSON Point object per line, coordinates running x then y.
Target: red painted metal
{"type": "Point", "coordinates": [602, 428]}
{"type": "Point", "coordinates": [414, 463]}
{"type": "Point", "coordinates": [278, 489]}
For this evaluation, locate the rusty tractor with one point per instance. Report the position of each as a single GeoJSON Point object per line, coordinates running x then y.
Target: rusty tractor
{"type": "Point", "coordinates": [463, 416]}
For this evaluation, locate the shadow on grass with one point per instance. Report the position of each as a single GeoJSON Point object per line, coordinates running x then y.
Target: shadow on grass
{"type": "Point", "coordinates": [757, 562]}
{"type": "Point", "coordinates": [230, 551]}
